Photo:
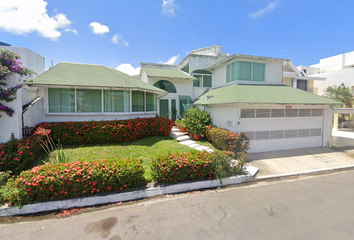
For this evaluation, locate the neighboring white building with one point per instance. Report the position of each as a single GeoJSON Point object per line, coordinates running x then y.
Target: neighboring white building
{"type": "Point", "coordinates": [245, 94]}
{"type": "Point", "coordinates": [27, 105]}
{"type": "Point", "coordinates": [336, 69]}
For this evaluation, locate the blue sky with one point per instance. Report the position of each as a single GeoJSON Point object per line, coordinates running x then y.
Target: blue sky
{"type": "Point", "coordinates": [112, 32]}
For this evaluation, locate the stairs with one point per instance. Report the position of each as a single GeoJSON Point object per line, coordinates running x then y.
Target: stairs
{"type": "Point", "coordinates": [184, 139]}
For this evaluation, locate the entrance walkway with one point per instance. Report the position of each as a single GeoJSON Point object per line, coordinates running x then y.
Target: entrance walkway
{"type": "Point", "coordinates": [298, 160]}
{"type": "Point", "coordinates": [184, 139]}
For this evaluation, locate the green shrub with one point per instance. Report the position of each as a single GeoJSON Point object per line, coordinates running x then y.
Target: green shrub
{"type": "Point", "coordinates": [194, 166]}
{"type": "Point", "coordinates": [227, 140]}
{"type": "Point", "coordinates": [70, 180]}
{"type": "Point", "coordinates": [196, 120]}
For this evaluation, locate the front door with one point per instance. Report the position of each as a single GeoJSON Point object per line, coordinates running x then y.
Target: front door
{"type": "Point", "coordinates": [167, 108]}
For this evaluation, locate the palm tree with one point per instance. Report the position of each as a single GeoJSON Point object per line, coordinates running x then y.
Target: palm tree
{"type": "Point", "coordinates": [342, 94]}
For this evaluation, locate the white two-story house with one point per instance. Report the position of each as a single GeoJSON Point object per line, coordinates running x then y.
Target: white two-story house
{"type": "Point", "coordinates": [244, 94]}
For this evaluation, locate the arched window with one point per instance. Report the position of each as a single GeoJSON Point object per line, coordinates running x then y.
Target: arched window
{"type": "Point", "coordinates": [165, 85]}
{"type": "Point", "coordinates": [203, 78]}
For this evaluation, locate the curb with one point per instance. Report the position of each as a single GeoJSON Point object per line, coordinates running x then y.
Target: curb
{"type": "Point", "coordinates": [120, 197]}
{"type": "Point", "coordinates": [307, 172]}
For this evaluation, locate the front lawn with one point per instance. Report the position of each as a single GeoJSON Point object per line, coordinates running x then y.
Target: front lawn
{"type": "Point", "coordinates": [144, 149]}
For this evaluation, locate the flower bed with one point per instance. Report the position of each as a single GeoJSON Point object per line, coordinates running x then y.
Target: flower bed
{"type": "Point", "coordinates": [17, 155]}
{"type": "Point", "coordinates": [194, 166]}
{"type": "Point", "coordinates": [77, 179]}
{"type": "Point", "coordinates": [227, 140]}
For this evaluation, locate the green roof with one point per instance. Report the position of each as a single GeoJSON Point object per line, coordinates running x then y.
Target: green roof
{"type": "Point", "coordinates": [262, 94]}
{"type": "Point", "coordinates": [97, 76]}
{"type": "Point", "coordinates": [167, 73]}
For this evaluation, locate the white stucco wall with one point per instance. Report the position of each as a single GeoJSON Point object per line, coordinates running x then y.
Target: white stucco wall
{"type": "Point", "coordinates": [345, 76]}
{"type": "Point", "coordinates": [225, 116]}
{"type": "Point", "coordinates": [13, 124]}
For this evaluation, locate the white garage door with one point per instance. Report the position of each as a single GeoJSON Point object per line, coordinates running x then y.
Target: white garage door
{"type": "Point", "coordinates": [280, 129]}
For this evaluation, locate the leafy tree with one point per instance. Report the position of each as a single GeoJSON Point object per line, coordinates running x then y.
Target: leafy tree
{"type": "Point", "coordinates": [10, 65]}
{"type": "Point", "coordinates": [342, 94]}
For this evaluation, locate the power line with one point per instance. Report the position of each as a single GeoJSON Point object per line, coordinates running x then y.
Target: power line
{"type": "Point", "coordinates": [193, 25]}
{"type": "Point", "coordinates": [293, 23]}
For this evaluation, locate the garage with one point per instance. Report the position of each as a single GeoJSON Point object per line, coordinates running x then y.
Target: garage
{"type": "Point", "coordinates": [281, 129]}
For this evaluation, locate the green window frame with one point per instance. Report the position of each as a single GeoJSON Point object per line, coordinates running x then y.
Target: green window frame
{"type": "Point", "coordinates": [166, 86]}
{"type": "Point", "coordinates": [245, 71]}
{"type": "Point", "coordinates": [88, 101]}
{"type": "Point", "coordinates": [203, 78]}
{"type": "Point", "coordinates": [61, 100]}
{"type": "Point", "coordinates": [116, 100]}
{"type": "Point", "coordinates": [138, 101]}
{"type": "Point", "coordinates": [151, 102]}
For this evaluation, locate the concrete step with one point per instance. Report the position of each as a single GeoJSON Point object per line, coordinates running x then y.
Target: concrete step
{"type": "Point", "coordinates": [188, 142]}
{"type": "Point", "coordinates": [177, 134]}
{"type": "Point", "coordinates": [183, 138]}
{"type": "Point", "coordinates": [175, 129]}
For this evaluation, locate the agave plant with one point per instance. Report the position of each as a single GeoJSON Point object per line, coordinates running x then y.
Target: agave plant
{"type": "Point", "coordinates": [55, 152]}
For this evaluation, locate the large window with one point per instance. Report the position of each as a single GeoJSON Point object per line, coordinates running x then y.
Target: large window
{"type": "Point", "coordinates": [150, 102]}
{"type": "Point", "coordinates": [203, 78]}
{"type": "Point", "coordinates": [166, 86]}
{"type": "Point", "coordinates": [185, 102]}
{"type": "Point", "coordinates": [61, 100]}
{"type": "Point", "coordinates": [116, 101]}
{"type": "Point", "coordinates": [138, 101]}
{"type": "Point", "coordinates": [245, 71]}
{"type": "Point", "coordinates": [88, 101]}
{"type": "Point", "coordinates": [66, 100]}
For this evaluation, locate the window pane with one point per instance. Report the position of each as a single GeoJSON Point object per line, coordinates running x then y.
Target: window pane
{"type": "Point", "coordinates": [244, 71]}
{"type": "Point", "coordinates": [196, 83]}
{"type": "Point", "coordinates": [61, 100]}
{"type": "Point", "coordinates": [88, 100]}
{"type": "Point", "coordinates": [165, 85]}
{"type": "Point", "coordinates": [207, 81]}
{"type": "Point", "coordinates": [228, 73]}
{"type": "Point", "coordinates": [235, 71]}
{"type": "Point", "coordinates": [258, 72]}
{"type": "Point", "coordinates": [150, 102]}
{"type": "Point", "coordinates": [185, 102]}
{"type": "Point", "coordinates": [116, 101]}
{"type": "Point", "coordinates": [138, 101]}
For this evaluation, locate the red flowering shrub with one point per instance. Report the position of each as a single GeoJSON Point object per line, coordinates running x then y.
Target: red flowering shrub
{"type": "Point", "coordinates": [18, 155]}
{"type": "Point", "coordinates": [195, 165]}
{"type": "Point", "coordinates": [77, 179]}
{"type": "Point", "coordinates": [103, 132]}
{"type": "Point", "coordinates": [227, 140]}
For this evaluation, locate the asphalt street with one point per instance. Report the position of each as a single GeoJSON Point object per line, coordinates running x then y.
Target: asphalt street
{"type": "Point", "coordinates": [308, 207]}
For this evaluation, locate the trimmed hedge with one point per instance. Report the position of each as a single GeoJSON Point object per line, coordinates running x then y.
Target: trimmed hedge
{"type": "Point", "coordinates": [77, 179]}
{"type": "Point", "coordinates": [227, 140]}
{"type": "Point", "coordinates": [18, 155]}
{"type": "Point", "coordinates": [103, 132]}
{"type": "Point", "coordinates": [194, 166]}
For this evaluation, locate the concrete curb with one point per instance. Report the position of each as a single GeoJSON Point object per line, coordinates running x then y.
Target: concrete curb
{"type": "Point", "coordinates": [120, 197]}
{"type": "Point", "coordinates": [307, 172]}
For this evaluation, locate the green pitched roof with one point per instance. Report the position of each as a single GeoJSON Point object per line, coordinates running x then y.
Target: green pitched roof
{"type": "Point", "coordinates": [262, 94]}
{"type": "Point", "coordinates": [167, 73]}
{"type": "Point", "coordinates": [86, 75]}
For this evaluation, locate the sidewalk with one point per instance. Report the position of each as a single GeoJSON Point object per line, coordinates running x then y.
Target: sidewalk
{"type": "Point", "coordinates": [297, 161]}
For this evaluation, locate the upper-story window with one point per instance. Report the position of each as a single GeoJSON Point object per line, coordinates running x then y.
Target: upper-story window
{"type": "Point", "coordinates": [245, 71]}
{"type": "Point", "coordinates": [203, 78]}
{"type": "Point", "coordinates": [165, 85]}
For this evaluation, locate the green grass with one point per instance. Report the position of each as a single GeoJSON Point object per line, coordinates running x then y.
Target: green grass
{"type": "Point", "coordinates": [143, 149]}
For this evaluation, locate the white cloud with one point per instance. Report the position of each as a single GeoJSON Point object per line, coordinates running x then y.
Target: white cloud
{"type": "Point", "coordinates": [127, 68]}
{"type": "Point", "coordinates": [169, 8]}
{"type": "Point", "coordinates": [118, 39]}
{"type": "Point", "coordinates": [261, 12]}
{"type": "Point", "coordinates": [98, 28]}
{"type": "Point", "coordinates": [73, 30]}
{"type": "Point", "coordinates": [171, 61]}
{"type": "Point", "coordinates": [23, 17]}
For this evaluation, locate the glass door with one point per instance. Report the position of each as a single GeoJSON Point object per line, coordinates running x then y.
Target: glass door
{"type": "Point", "coordinates": [167, 108]}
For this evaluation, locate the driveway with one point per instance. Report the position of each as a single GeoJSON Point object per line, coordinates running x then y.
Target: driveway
{"type": "Point", "coordinates": [343, 139]}
{"type": "Point", "coordinates": [297, 160]}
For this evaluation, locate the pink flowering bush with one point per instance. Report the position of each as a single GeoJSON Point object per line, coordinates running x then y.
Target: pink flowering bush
{"type": "Point", "coordinates": [70, 180]}
{"type": "Point", "coordinates": [10, 65]}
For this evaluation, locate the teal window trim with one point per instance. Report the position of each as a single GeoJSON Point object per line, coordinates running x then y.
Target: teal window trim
{"type": "Point", "coordinates": [66, 101]}
{"type": "Point", "coordinates": [236, 71]}
{"type": "Point", "coordinates": [202, 78]}
{"type": "Point", "coordinates": [166, 86]}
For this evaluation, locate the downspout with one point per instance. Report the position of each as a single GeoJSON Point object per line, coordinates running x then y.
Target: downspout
{"type": "Point", "coordinates": [27, 107]}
